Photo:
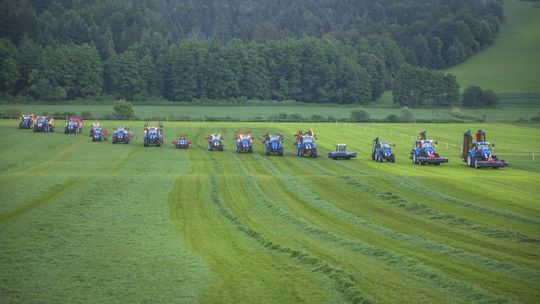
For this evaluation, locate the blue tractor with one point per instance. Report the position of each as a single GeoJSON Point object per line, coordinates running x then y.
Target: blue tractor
{"type": "Point", "coordinates": [25, 122]}
{"type": "Point", "coordinates": [477, 153]}
{"type": "Point", "coordinates": [244, 143]}
{"type": "Point", "coordinates": [424, 153]}
{"type": "Point", "coordinates": [121, 135]}
{"type": "Point", "coordinates": [41, 124]}
{"type": "Point", "coordinates": [382, 151]}
{"type": "Point", "coordinates": [215, 142]}
{"type": "Point", "coordinates": [305, 145]}
{"type": "Point", "coordinates": [153, 136]}
{"type": "Point", "coordinates": [99, 134]}
{"type": "Point", "coordinates": [95, 125]}
{"type": "Point", "coordinates": [273, 144]}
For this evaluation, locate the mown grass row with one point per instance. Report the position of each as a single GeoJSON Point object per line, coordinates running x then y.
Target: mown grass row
{"type": "Point", "coordinates": [200, 226]}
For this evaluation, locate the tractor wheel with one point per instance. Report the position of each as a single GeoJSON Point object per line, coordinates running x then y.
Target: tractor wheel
{"type": "Point", "coordinates": [267, 152]}
{"type": "Point", "coordinates": [469, 161]}
{"type": "Point", "coordinates": [414, 159]}
{"type": "Point", "coordinates": [381, 159]}
{"type": "Point", "coordinates": [476, 163]}
{"type": "Point", "coordinates": [437, 164]}
{"type": "Point", "coordinates": [393, 158]}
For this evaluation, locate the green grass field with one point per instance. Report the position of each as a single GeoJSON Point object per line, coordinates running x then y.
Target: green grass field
{"type": "Point", "coordinates": [503, 114]}
{"type": "Point", "coordinates": [512, 63]}
{"type": "Point", "coordinates": [97, 222]}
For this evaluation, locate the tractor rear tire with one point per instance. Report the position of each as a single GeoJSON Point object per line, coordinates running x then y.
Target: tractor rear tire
{"type": "Point", "coordinates": [469, 161]}
{"type": "Point", "coordinates": [476, 163]}
{"type": "Point", "coordinates": [381, 158]}
{"type": "Point", "coordinates": [414, 159]}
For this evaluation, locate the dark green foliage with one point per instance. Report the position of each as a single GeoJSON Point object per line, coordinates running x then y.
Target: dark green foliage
{"type": "Point", "coordinates": [331, 52]}
{"type": "Point", "coordinates": [359, 115]}
{"type": "Point", "coordinates": [536, 119]}
{"type": "Point", "coordinates": [419, 86]}
{"type": "Point", "coordinates": [474, 96]}
{"type": "Point", "coordinates": [393, 118]}
{"type": "Point", "coordinates": [123, 109]}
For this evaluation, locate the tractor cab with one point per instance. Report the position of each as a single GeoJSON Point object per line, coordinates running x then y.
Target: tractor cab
{"type": "Point", "coordinates": [276, 138]}
{"type": "Point", "coordinates": [341, 148]}
{"type": "Point", "coordinates": [307, 139]}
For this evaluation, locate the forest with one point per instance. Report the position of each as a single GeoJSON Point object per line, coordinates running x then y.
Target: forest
{"type": "Point", "coordinates": [316, 51]}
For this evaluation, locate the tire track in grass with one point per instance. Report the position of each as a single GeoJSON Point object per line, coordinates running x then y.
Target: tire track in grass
{"type": "Point", "coordinates": [31, 204]}
{"type": "Point", "coordinates": [422, 272]}
{"type": "Point", "coordinates": [344, 281]}
{"type": "Point", "coordinates": [9, 177]}
{"type": "Point", "coordinates": [294, 185]}
{"type": "Point", "coordinates": [58, 190]}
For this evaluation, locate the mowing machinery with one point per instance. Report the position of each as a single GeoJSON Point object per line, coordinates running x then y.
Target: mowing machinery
{"type": "Point", "coordinates": [273, 144]}
{"type": "Point", "coordinates": [153, 135]}
{"type": "Point", "coordinates": [477, 153]}
{"type": "Point", "coordinates": [43, 124]}
{"type": "Point", "coordinates": [382, 151]}
{"type": "Point", "coordinates": [74, 125]}
{"type": "Point", "coordinates": [215, 142]}
{"type": "Point", "coordinates": [424, 151]}
{"type": "Point", "coordinates": [121, 135]}
{"type": "Point", "coordinates": [99, 134]}
{"type": "Point", "coordinates": [305, 143]}
{"type": "Point", "coordinates": [95, 125]}
{"type": "Point", "coordinates": [244, 142]}
{"type": "Point", "coordinates": [25, 122]}
{"type": "Point", "coordinates": [182, 142]}
{"type": "Point", "coordinates": [341, 153]}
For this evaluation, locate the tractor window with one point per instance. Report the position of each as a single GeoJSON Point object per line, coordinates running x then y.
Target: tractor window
{"type": "Point", "coordinates": [385, 145]}
{"type": "Point", "coordinates": [274, 138]}
{"type": "Point", "coordinates": [482, 147]}
{"type": "Point", "coordinates": [307, 139]}
{"type": "Point", "coordinates": [426, 144]}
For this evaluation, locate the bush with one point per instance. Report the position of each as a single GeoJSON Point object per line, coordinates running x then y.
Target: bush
{"type": "Point", "coordinates": [359, 115]}
{"type": "Point", "coordinates": [536, 119]}
{"type": "Point", "coordinates": [123, 109]}
{"type": "Point", "coordinates": [392, 118]}
{"type": "Point", "coordinates": [407, 115]}
{"type": "Point", "coordinates": [474, 96]}
{"type": "Point", "coordinates": [295, 116]}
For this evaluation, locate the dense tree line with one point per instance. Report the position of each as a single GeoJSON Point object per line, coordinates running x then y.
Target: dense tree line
{"type": "Point", "coordinates": [307, 50]}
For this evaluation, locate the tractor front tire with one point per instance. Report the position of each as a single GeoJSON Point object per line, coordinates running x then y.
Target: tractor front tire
{"type": "Point", "coordinates": [414, 159]}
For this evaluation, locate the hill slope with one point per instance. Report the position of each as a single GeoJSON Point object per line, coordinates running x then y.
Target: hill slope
{"type": "Point", "coordinates": [512, 63]}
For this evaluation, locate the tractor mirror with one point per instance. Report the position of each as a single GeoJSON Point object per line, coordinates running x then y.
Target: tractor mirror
{"type": "Point", "coordinates": [393, 145]}
{"type": "Point", "coordinates": [493, 145]}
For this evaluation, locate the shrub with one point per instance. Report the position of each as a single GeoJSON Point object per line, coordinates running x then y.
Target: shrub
{"type": "Point", "coordinates": [407, 115]}
{"type": "Point", "coordinates": [474, 96]}
{"type": "Point", "coordinates": [392, 118]}
{"type": "Point", "coordinates": [359, 115]}
{"type": "Point", "coordinates": [123, 109]}
{"type": "Point", "coordinates": [536, 119]}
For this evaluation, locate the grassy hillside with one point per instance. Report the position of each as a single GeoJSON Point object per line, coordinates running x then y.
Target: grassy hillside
{"type": "Point", "coordinates": [512, 63]}
{"type": "Point", "coordinates": [97, 222]}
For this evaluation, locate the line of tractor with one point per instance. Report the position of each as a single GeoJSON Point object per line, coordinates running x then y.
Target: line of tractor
{"type": "Point", "coordinates": [476, 152]}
